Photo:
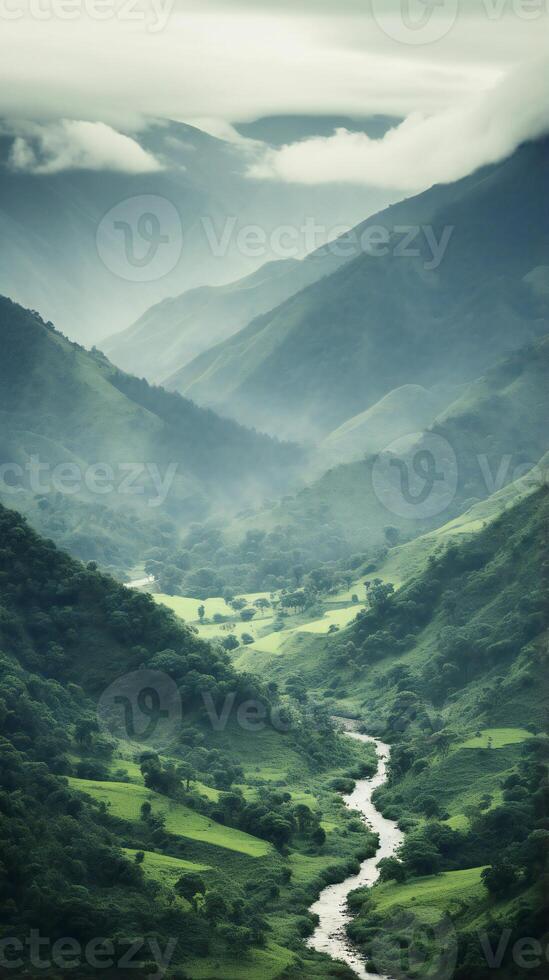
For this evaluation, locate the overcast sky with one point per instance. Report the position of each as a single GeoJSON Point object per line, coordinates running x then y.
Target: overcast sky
{"type": "Point", "coordinates": [468, 77]}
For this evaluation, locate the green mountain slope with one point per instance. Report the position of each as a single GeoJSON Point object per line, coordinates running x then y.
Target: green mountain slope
{"type": "Point", "coordinates": [404, 410]}
{"type": "Point", "coordinates": [133, 802]}
{"type": "Point", "coordinates": [82, 442]}
{"type": "Point", "coordinates": [403, 315]}
{"type": "Point", "coordinates": [452, 670]}
{"type": "Point", "coordinates": [178, 329]}
{"type": "Point", "coordinates": [490, 437]}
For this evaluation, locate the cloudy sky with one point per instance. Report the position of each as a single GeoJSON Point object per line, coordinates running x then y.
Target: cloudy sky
{"type": "Point", "coordinates": [468, 77]}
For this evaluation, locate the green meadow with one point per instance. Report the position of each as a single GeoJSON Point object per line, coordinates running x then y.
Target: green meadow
{"type": "Point", "coordinates": [126, 799]}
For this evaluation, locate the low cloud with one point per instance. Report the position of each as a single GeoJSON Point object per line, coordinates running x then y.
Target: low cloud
{"type": "Point", "coordinates": [49, 148]}
{"type": "Point", "coordinates": [423, 150]}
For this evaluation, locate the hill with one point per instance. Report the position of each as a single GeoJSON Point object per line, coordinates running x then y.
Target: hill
{"type": "Point", "coordinates": [103, 462]}
{"type": "Point", "coordinates": [435, 307]}
{"type": "Point", "coordinates": [128, 809]}
{"type": "Point", "coordinates": [404, 410]}
{"type": "Point", "coordinates": [178, 329]}
{"type": "Point", "coordinates": [451, 670]}
{"type": "Point", "coordinates": [490, 437]}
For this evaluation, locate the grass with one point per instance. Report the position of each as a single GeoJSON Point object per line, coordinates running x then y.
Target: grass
{"type": "Point", "coordinates": [187, 608]}
{"type": "Point", "coordinates": [335, 617]}
{"type": "Point", "coordinates": [125, 801]}
{"type": "Point", "coordinates": [258, 964]}
{"type": "Point", "coordinates": [433, 891]}
{"type": "Point", "coordinates": [496, 738]}
{"type": "Point", "coordinates": [165, 869]}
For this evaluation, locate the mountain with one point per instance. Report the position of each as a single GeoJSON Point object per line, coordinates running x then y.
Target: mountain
{"type": "Point", "coordinates": [177, 329]}
{"type": "Point", "coordinates": [436, 303]}
{"type": "Point", "coordinates": [67, 259]}
{"type": "Point", "coordinates": [129, 809]}
{"type": "Point", "coordinates": [404, 410]}
{"type": "Point", "coordinates": [280, 130]}
{"type": "Point", "coordinates": [491, 436]}
{"type": "Point", "coordinates": [451, 670]}
{"type": "Point", "coordinates": [102, 461]}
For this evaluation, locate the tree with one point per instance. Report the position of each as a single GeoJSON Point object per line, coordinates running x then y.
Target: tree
{"type": "Point", "coordinates": [391, 869]}
{"type": "Point", "coordinates": [304, 817]}
{"type": "Point", "coordinates": [186, 773]}
{"type": "Point", "coordinates": [499, 878]}
{"type": "Point", "coordinates": [230, 642]}
{"type": "Point", "coordinates": [215, 906]}
{"type": "Point", "coordinates": [201, 612]}
{"type": "Point", "coordinates": [190, 885]}
{"type": "Point", "coordinates": [247, 615]}
{"type": "Point", "coordinates": [246, 638]}
{"type": "Point", "coordinates": [379, 594]}
{"type": "Point", "coordinates": [262, 603]}
{"type": "Point", "coordinates": [238, 604]}
{"type": "Point", "coordinates": [238, 938]}
{"type": "Point", "coordinates": [139, 857]}
{"type": "Point", "coordinates": [84, 731]}
{"type": "Point", "coordinates": [392, 535]}
{"type": "Point", "coordinates": [420, 856]}
{"type": "Point", "coordinates": [318, 836]}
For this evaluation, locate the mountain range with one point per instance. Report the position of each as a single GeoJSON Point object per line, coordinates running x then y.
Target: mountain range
{"type": "Point", "coordinates": [104, 462]}
{"type": "Point", "coordinates": [66, 260]}
{"type": "Point", "coordinates": [448, 292]}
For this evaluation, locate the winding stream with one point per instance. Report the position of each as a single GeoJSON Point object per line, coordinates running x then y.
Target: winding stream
{"type": "Point", "coordinates": [331, 907]}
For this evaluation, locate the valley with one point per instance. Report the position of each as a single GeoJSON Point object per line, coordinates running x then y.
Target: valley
{"type": "Point", "coordinates": [274, 620]}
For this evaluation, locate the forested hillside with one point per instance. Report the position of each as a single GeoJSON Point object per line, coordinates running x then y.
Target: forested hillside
{"type": "Point", "coordinates": [493, 435]}
{"type": "Point", "coordinates": [209, 839]}
{"type": "Point", "coordinates": [451, 669]}
{"type": "Point", "coordinates": [106, 464]}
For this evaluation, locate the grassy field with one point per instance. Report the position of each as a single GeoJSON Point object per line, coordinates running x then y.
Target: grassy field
{"type": "Point", "coordinates": [437, 891]}
{"type": "Point", "coordinates": [496, 738]}
{"type": "Point", "coordinates": [125, 800]}
{"type": "Point", "coordinates": [258, 964]}
{"type": "Point", "coordinates": [164, 868]}
{"type": "Point", "coordinates": [187, 608]}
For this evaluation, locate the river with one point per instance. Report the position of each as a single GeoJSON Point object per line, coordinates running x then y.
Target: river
{"type": "Point", "coordinates": [331, 907]}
